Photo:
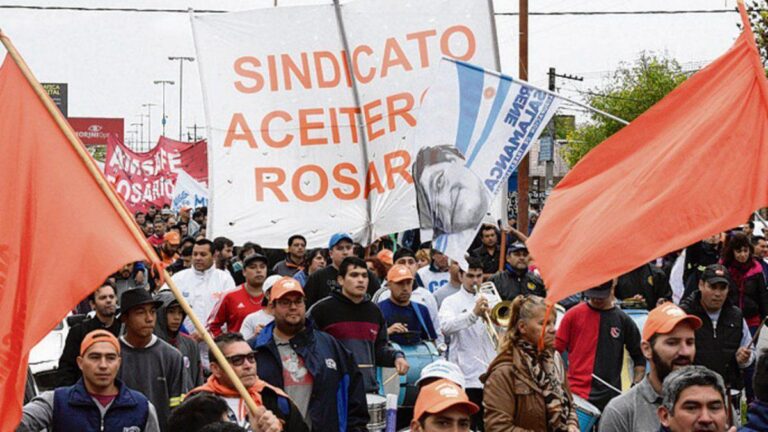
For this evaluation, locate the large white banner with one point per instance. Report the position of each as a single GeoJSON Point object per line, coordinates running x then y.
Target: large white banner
{"type": "Point", "coordinates": [474, 128]}
{"type": "Point", "coordinates": [286, 136]}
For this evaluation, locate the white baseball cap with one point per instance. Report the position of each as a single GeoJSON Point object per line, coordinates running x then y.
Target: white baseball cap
{"type": "Point", "coordinates": [268, 282]}
{"type": "Point", "coordinates": [442, 369]}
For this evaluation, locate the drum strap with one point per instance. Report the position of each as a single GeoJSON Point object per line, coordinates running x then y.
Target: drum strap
{"type": "Point", "coordinates": [421, 319]}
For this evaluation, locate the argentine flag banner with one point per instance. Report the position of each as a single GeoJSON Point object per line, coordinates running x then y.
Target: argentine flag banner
{"type": "Point", "coordinates": [475, 126]}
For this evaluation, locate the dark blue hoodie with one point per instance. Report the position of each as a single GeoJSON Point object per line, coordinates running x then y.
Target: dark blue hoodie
{"type": "Point", "coordinates": [757, 417]}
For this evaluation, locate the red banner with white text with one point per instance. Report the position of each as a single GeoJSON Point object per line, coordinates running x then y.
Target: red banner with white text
{"type": "Point", "coordinates": [143, 179]}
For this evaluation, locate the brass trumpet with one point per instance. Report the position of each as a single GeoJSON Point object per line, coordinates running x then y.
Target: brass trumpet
{"type": "Point", "coordinates": [499, 313]}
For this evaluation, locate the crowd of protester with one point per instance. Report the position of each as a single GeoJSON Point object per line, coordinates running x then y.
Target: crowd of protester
{"type": "Point", "coordinates": [316, 335]}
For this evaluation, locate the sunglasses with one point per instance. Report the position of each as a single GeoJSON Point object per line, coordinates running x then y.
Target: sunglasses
{"type": "Point", "coordinates": [239, 359]}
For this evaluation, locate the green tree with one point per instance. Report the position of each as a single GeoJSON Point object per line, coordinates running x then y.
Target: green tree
{"type": "Point", "coordinates": [632, 89]}
{"type": "Point", "coordinates": [757, 10]}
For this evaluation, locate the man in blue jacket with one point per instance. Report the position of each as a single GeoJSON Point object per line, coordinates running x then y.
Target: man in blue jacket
{"type": "Point", "coordinates": [97, 401]}
{"type": "Point", "coordinates": [312, 367]}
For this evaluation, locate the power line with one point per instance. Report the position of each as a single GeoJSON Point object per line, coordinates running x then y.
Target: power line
{"type": "Point", "coordinates": [554, 13]}
{"type": "Point", "coordinates": [651, 12]}
{"type": "Point", "coordinates": [108, 9]}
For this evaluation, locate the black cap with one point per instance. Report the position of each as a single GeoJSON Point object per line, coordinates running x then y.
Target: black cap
{"type": "Point", "coordinates": [516, 246]}
{"type": "Point", "coordinates": [602, 291]}
{"type": "Point", "coordinates": [715, 273]}
{"type": "Point", "coordinates": [253, 258]}
{"type": "Point", "coordinates": [136, 297]}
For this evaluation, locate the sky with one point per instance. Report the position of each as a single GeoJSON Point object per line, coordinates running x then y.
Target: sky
{"type": "Point", "coordinates": [110, 59]}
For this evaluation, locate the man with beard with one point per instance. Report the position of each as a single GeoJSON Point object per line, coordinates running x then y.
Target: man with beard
{"type": "Point", "coordinates": [516, 279]}
{"type": "Point", "coordinates": [488, 252]}
{"type": "Point", "coordinates": [668, 344]}
{"type": "Point", "coordinates": [722, 342]}
{"type": "Point", "coordinates": [237, 304]}
{"type": "Point", "coordinates": [408, 323]}
{"type": "Point", "coordinates": [168, 251]}
{"type": "Point", "coordinates": [104, 302]}
{"type": "Point", "coordinates": [316, 371]}
{"type": "Point", "coordinates": [223, 251]}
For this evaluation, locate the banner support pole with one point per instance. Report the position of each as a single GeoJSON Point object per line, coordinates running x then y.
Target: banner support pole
{"type": "Point", "coordinates": [368, 237]}
{"type": "Point", "coordinates": [124, 214]}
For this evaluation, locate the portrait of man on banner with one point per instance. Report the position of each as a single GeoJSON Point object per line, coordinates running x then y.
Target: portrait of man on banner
{"type": "Point", "coordinates": [450, 198]}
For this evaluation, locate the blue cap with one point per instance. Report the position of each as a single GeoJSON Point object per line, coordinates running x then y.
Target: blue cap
{"type": "Point", "coordinates": [336, 238]}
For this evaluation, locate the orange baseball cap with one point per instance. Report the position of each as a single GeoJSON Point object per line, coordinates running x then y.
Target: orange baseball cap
{"type": "Point", "coordinates": [98, 336]}
{"type": "Point", "coordinates": [664, 318]}
{"type": "Point", "coordinates": [439, 396]}
{"type": "Point", "coordinates": [172, 237]}
{"type": "Point", "coordinates": [284, 286]}
{"type": "Point", "coordinates": [398, 273]}
{"type": "Point", "coordinates": [385, 256]}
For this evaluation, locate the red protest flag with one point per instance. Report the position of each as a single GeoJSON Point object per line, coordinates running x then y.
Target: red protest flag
{"type": "Point", "coordinates": [692, 165]}
{"type": "Point", "coordinates": [62, 230]}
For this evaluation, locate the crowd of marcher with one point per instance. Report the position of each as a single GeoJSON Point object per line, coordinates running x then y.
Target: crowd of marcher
{"type": "Point", "coordinates": [318, 336]}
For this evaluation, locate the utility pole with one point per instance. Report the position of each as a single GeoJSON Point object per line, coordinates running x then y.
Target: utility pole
{"type": "Point", "coordinates": [522, 170]}
{"type": "Point", "coordinates": [149, 123]}
{"type": "Point", "coordinates": [164, 82]}
{"type": "Point", "coordinates": [181, 86]}
{"type": "Point", "coordinates": [194, 128]}
{"type": "Point", "coordinates": [550, 157]}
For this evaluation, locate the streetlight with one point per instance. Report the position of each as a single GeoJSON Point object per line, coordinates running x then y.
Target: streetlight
{"type": "Point", "coordinates": [149, 123]}
{"type": "Point", "coordinates": [141, 131]}
{"type": "Point", "coordinates": [181, 84]}
{"type": "Point", "coordinates": [136, 132]}
{"type": "Point", "coordinates": [164, 82]}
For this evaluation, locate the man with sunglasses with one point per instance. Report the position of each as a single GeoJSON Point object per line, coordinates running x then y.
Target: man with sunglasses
{"type": "Point", "coordinates": [316, 371]}
{"type": "Point", "coordinates": [276, 410]}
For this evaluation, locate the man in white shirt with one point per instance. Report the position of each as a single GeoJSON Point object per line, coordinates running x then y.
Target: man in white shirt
{"type": "Point", "coordinates": [470, 346]}
{"type": "Point", "coordinates": [202, 286]}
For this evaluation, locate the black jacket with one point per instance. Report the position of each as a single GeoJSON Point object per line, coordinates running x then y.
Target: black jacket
{"type": "Point", "coordinates": [512, 284]}
{"type": "Point", "coordinates": [322, 282]}
{"type": "Point", "coordinates": [68, 372]}
{"type": "Point", "coordinates": [647, 280]}
{"type": "Point", "coordinates": [716, 348]}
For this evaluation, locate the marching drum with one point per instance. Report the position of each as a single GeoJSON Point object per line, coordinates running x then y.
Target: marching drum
{"type": "Point", "coordinates": [417, 356]}
{"type": "Point", "coordinates": [588, 414]}
{"type": "Point", "coordinates": [377, 411]}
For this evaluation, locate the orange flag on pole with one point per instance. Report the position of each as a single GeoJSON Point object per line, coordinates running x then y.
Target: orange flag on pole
{"type": "Point", "coordinates": [60, 234]}
{"type": "Point", "coordinates": [693, 165]}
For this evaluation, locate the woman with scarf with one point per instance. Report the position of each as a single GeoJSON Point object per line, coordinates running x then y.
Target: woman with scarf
{"type": "Point", "coordinates": [524, 389]}
{"type": "Point", "coordinates": [748, 291]}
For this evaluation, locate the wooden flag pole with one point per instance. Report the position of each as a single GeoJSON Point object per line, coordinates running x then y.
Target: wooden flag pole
{"type": "Point", "coordinates": [125, 215]}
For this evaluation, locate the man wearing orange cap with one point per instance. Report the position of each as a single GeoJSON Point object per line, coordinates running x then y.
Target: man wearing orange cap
{"type": "Point", "coordinates": [668, 343]}
{"type": "Point", "coordinates": [442, 406]}
{"type": "Point", "coordinates": [97, 401]}
{"type": "Point", "coordinates": [408, 323]}
{"type": "Point", "coordinates": [168, 251]}
{"type": "Point", "coordinates": [315, 369]}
